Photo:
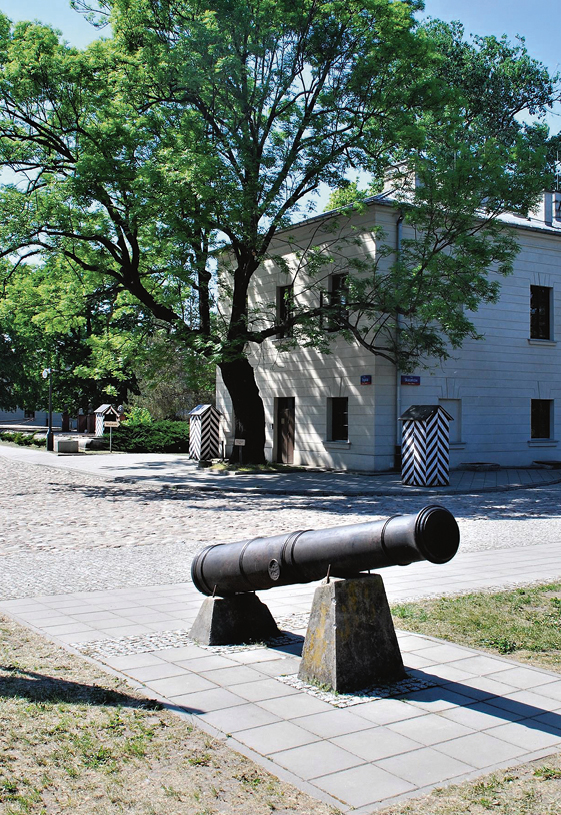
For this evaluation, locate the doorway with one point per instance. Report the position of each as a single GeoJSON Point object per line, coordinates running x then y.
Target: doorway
{"type": "Point", "coordinates": [285, 429]}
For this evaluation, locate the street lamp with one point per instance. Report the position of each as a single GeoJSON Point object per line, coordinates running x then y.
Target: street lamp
{"type": "Point", "coordinates": [48, 373]}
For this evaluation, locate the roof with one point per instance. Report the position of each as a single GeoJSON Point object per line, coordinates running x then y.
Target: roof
{"type": "Point", "coordinates": [200, 409]}
{"type": "Point", "coordinates": [106, 409]}
{"type": "Point", "coordinates": [388, 199]}
{"type": "Point", "coordinates": [421, 413]}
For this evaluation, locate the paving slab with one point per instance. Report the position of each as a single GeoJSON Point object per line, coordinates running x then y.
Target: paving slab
{"type": "Point", "coordinates": [468, 721]}
{"type": "Point", "coordinates": [477, 712]}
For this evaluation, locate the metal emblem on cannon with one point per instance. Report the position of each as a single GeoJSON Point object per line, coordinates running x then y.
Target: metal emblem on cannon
{"type": "Point", "coordinates": [350, 641]}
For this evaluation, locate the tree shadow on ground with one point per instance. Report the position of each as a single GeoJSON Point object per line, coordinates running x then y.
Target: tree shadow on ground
{"type": "Point", "coordinates": [534, 502]}
{"type": "Point", "coordinates": [18, 683]}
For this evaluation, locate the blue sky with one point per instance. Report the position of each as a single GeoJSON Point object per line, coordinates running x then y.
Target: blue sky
{"type": "Point", "coordinates": [538, 22]}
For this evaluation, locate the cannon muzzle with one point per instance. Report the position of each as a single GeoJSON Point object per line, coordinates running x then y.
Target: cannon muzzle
{"type": "Point", "coordinates": [343, 551]}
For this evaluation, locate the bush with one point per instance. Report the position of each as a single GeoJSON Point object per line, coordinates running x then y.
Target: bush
{"type": "Point", "coordinates": [24, 439]}
{"type": "Point", "coordinates": [158, 437]}
{"type": "Point", "coordinates": [136, 416]}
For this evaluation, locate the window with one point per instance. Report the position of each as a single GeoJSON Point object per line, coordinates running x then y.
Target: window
{"type": "Point", "coordinates": [284, 309]}
{"type": "Point", "coordinates": [540, 312]}
{"type": "Point", "coordinates": [338, 419]}
{"type": "Point", "coordinates": [29, 414]}
{"type": "Point", "coordinates": [337, 300]}
{"type": "Point", "coordinates": [541, 418]}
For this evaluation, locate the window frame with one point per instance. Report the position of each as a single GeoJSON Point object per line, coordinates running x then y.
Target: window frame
{"type": "Point", "coordinates": [541, 312]}
{"type": "Point", "coordinates": [285, 309]}
{"type": "Point", "coordinates": [540, 422]}
{"type": "Point", "coordinates": [337, 299]}
{"type": "Point", "coordinates": [337, 418]}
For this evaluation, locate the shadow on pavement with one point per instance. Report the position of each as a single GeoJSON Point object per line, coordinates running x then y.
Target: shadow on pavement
{"type": "Point", "coordinates": [36, 687]}
{"type": "Point", "coordinates": [516, 505]}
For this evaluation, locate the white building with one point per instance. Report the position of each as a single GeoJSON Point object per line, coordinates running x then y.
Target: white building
{"type": "Point", "coordinates": [28, 417]}
{"type": "Point", "coordinates": [341, 410]}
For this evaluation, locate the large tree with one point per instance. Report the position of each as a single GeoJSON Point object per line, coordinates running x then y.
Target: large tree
{"type": "Point", "coordinates": [53, 315]}
{"type": "Point", "coordinates": [91, 268]}
{"type": "Point", "coordinates": [198, 128]}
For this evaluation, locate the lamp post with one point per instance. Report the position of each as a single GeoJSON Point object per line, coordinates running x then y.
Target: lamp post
{"type": "Point", "coordinates": [48, 372]}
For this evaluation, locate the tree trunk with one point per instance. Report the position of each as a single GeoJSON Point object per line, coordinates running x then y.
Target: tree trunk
{"type": "Point", "coordinates": [239, 379]}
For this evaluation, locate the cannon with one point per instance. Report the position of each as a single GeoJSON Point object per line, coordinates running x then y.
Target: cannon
{"type": "Point", "coordinates": [345, 551]}
{"type": "Point", "coordinates": [350, 641]}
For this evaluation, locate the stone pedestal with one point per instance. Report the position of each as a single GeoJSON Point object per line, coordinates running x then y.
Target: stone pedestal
{"type": "Point", "coordinates": [67, 445]}
{"type": "Point", "coordinates": [350, 642]}
{"type": "Point", "coordinates": [233, 621]}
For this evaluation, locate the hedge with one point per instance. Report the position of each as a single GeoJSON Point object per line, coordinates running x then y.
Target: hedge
{"type": "Point", "coordinates": [25, 439]}
{"type": "Point", "coordinates": [159, 437]}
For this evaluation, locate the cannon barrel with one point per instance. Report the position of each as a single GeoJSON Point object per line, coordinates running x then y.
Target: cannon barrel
{"type": "Point", "coordinates": [345, 551]}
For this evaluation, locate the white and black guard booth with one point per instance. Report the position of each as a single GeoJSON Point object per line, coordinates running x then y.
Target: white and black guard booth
{"type": "Point", "coordinates": [204, 433]}
{"type": "Point", "coordinates": [104, 414]}
{"type": "Point", "coordinates": [425, 446]}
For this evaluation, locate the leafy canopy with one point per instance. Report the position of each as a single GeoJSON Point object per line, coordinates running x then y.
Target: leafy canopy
{"type": "Point", "coordinates": [200, 127]}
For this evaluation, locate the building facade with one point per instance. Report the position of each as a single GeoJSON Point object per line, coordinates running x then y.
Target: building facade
{"type": "Point", "coordinates": [341, 410]}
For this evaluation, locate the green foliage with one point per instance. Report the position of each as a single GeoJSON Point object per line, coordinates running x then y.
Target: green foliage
{"type": "Point", "coordinates": [198, 128]}
{"type": "Point", "coordinates": [172, 379]}
{"type": "Point", "coordinates": [154, 437]}
{"type": "Point", "coordinates": [23, 439]}
{"type": "Point", "coordinates": [136, 416]}
{"type": "Point", "coordinates": [53, 317]}
{"type": "Point", "coordinates": [348, 194]}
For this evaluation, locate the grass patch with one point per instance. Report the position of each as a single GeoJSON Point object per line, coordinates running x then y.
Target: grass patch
{"type": "Point", "coordinates": [524, 623]}
{"type": "Point", "coordinates": [76, 740]}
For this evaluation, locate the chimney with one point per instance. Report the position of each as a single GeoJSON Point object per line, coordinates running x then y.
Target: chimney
{"type": "Point", "coordinates": [551, 208]}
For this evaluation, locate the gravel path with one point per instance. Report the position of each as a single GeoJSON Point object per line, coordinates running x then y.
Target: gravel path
{"type": "Point", "coordinates": [63, 531]}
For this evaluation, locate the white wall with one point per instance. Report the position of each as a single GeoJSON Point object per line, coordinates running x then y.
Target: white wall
{"type": "Point", "coordinates": [492, 380]}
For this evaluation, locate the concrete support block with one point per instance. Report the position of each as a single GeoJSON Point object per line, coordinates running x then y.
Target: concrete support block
{"type": "Point", "coordinates": [66, 445]}
{"type": "Point", "coordinates": [350, 642]}
{"type": "Point", "coordinates": [233, 621]}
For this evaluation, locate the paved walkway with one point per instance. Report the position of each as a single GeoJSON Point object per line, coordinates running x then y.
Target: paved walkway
{"type": "Point", "coordinates": [464, 714]}
{"type": "Point", "coordinates": [468, 713]}
{"type": "Point", "coordinates": [179, 471]}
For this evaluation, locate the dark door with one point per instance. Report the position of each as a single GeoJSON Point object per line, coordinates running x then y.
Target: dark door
{"type": "Point", "coordinates": [285, 429]}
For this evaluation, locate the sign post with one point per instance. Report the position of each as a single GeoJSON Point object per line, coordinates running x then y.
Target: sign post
{"type": "Point", "coordinates": [241, 444]}
{"type": "Point", "coordinates": [48, 374]}
{"type": "Point", "coordinates": [111, 425]}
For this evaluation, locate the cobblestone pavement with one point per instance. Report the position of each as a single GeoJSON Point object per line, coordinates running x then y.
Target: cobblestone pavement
{"type": "Point", "coordinates": [66, 531]}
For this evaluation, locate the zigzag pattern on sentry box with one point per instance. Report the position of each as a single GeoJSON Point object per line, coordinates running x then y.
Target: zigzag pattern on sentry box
{"type": "Point", "coordinates": [425, 458]}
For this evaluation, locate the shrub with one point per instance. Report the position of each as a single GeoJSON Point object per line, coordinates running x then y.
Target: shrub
{"type": "Point", "coordinates": [136, 416]}
{"type": "Point", "coordinates": [158, 437]}
{"type": "Point", "coordinates": [24, 439]}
